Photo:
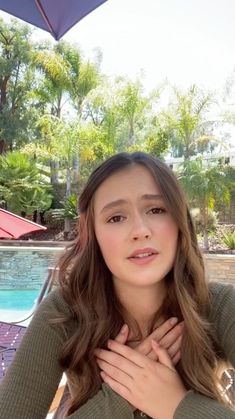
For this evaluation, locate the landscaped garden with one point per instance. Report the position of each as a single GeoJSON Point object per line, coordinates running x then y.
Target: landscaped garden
{"type": "Point", "coordinates": [60, 116]}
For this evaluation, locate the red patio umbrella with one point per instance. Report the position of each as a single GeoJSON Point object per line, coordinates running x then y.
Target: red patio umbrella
{"type": "Point", "coordinates": [54, 16]}
{"type": "Point", "coordinates": [13, 226]}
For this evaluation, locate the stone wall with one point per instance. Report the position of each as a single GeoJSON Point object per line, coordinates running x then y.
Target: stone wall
{"type": "Point", "coordinates": [27, 268]}
{"type": "Point", "coordinates": [226, 213]}
{"type": "Point", "coordinates": [220, 268]}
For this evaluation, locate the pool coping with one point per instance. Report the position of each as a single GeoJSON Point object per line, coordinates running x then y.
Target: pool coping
{"type": "Point", "coordinates": [34, 243]}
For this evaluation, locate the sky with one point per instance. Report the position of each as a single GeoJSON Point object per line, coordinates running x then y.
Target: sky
{"type": "Point", "coordinates": [183, 41]}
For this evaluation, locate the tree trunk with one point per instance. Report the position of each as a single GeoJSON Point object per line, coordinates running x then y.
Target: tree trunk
{"type": "Point", "coordinates": [35, 216]}
{"type": "Point", "coordinates": [3, 91]}
{"type": "Point", "coordinates": [66, 228]}
{"type": "Point", "coordinates": [131, 135]}
{"type": "Point", "coordinates": [204, 213]}
{"type": "Point", "coordinates": [67, 194]}
{"type": "Point", "coordinates": [3, 146]}
{"type": "Point", "coordinates": [54, 165]}
{"type": "Point", "coordinates": [42, 220]}
{"type": "Point", "coordinates": [58, 106]}
{"type": "Point", "coordinates": [75, 175]}
{"type": "Point", "coordinates": [68, 183]}
{"type": "Point", "coordinates": [187, 153]}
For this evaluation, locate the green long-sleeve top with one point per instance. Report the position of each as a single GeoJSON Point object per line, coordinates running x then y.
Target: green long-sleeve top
{"type": "Point", "coordinates": [32, 380]}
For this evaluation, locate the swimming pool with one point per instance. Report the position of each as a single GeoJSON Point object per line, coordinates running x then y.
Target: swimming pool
{"type": "Point", "coordinates": [18, 299]}
{"type": "Point", "coordinates": [23, 270]}
{"type": "Point", "coordinates": [25, 267]}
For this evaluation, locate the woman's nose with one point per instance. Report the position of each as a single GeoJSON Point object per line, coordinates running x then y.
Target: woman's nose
{"type": "Point", "coordinates": [140, 230]}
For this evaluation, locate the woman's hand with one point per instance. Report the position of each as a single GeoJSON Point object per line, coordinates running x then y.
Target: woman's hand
{"type": "Point", "coordinates": [168, 335]}
{"type": "Point", "coordinates": [153, 387]}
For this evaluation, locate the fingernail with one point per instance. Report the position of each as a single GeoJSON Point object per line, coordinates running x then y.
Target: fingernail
{"type": "Point", "coordinates": [102, 373]}
{"type": "Point", "coordinates": [173, 321]}
{"type": "Point", "coordinates": [123, 329]}
{"type": "Point", "coordinates": [109, 343]}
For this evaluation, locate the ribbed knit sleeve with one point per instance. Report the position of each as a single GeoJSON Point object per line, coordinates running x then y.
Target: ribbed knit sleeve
{"type": "Point", "coordinates": [222, 318]}
{"type": "Point", "coordinates": [105, 404]}
{"type": "Point", "coordinates": [196, 406]}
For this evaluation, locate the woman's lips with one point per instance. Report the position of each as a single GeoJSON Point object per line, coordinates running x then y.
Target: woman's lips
{"type": "Point", "coordinates": [143, 260]}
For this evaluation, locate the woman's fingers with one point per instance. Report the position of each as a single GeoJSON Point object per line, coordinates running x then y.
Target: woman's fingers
{"type": "Point", "coordinates": [170, 340]}
{"type": "Point", "coordinates": [158, 334]}
{"type": "Point", "coordinates": [152, 355]}
{"type": "Point", "coordinates": [119, 352]}
{"type": "Point", "coordinates": [122, 335]}
{"type": "Point", "coordinates": [171, 337]}
{"type": "Point", "coordinates": [173, 352]}
{"type": "Point", "coordinates": [120, 389]}
{"type": "Point", "coordinates": [175, 347]}
{"type": "Point", "coordinates": [162, 355]}
{"type": "Point", "coordinates": [176, 358]}
{"type": "Point", "coordinates": [112, 371]}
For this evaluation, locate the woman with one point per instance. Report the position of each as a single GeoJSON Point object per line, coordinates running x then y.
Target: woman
{"type": "Point", "coordinates": [136, 261]}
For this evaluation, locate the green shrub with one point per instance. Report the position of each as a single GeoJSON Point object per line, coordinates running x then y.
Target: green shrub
{"type": "Point", "coordinates": [229, 240]}
{"type": "Point", "coordinates": [197, 218]}
{"type": "Point", "coordinates": [69, 209]}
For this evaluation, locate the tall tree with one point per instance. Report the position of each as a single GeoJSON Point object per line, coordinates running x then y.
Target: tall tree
{"type": "Point", "coordinates": [85, 76]}
{"type": "Point", "coordinates": [186, 118]}
{"type": "Point", "coordinates": [16, 80]}
{"type": "Point", "coordinates": [55, 83]}
{"type": "Point", "coordinates": [205, 186]}
{"type": "Point", "coordinates": [100, 110]}
{"type": "Point", "coordinates": [124, 111]}
{"type": "Point", "coordinates": [132, 104]}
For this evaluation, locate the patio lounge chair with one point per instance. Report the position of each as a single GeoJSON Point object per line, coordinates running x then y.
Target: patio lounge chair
{"type": "Point", "coordinates": [10, 339]}
{"type": "Point", "coordinates": [11, 335]}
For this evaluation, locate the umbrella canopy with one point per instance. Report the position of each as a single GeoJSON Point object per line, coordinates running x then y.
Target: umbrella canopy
{"type": "Point", "coordinates": [13, 226]}
{"type": "Point", "coordinates": [54, 16]}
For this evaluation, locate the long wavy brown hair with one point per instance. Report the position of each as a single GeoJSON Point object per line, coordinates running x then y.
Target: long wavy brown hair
{"type": "Point", "coordinates": [87, 287]}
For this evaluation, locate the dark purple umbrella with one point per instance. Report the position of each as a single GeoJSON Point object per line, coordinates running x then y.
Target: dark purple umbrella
{"type": "Point", "coordinates": [54, 16]}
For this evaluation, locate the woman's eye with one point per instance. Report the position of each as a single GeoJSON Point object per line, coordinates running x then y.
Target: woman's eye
{"type": "Point", "coordinates": [116, 219]}
{"type": "Point", "coordinates": [157, 210]}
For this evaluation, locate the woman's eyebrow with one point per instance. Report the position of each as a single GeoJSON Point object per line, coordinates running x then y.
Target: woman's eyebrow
{"type": "Point", "coordinates": [118, 202]}
{"type": "Point", "coordinates": [151, 197]}
{"type": "Point", "coordinates": [113, 204]}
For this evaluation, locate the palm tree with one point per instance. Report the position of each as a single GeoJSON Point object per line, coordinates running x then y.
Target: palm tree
{"type": "Point", "coordinates": [191, 130]}
{"type": "Point", "coordinates": [54, 86]}
{"type": "Point", "coordinates": [205, 186]}
{"type": "Point", "coordinates": [22, 187]}
{"type": "Point", "coordinates": [16, 81]}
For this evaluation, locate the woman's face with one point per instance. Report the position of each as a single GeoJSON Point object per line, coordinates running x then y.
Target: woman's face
{"type": "Point", "coordinates": [136, 234]}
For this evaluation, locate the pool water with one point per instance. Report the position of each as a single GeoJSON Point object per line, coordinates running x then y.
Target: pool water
{"type": "Point", "coordinates": [23, 270]}
{"type": "Point", "coordinates": [18, 299]}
